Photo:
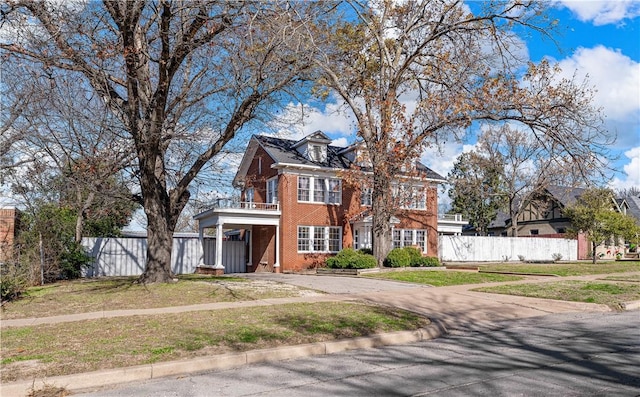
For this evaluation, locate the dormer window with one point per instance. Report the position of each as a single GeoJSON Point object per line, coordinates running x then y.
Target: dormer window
{"type": "Point", "coordinates": [317, 152]}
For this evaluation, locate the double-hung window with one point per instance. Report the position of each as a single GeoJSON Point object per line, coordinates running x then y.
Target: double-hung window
{"type": "Point", "coordinates": [366, 196]}
{"type": "Point", "coordinates": [335, 191]}
{"type": "Point", "coordinates": [304, 188]}
{"type": "Point", "coordinates": [319, 190]}
{"type": "Point", "coordinates": [410, 238]}
{"type": "Point", "coordinates": [319, 238]}
{"type": "Point", "coordinates": [304, 243]}
{"type": "Point", "coordinates": [272, 191]}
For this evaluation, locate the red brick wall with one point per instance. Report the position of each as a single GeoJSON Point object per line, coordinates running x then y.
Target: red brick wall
{"type": "Point", "coordinates": [8, 219]}
{"type": "Point", "coordinates": [258, 173]}
{"type": "Point", "coordinates": [304, 214]}
{"type": "Point", "coordinates": [308, 214]}
{"type": "Point", "coordinates": [263, 252]}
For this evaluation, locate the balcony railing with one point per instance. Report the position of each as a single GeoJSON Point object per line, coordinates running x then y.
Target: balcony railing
{"type": "Point", "coordinates": [451, 217]}
{"type": "Point", "coordinates": [244, 205]}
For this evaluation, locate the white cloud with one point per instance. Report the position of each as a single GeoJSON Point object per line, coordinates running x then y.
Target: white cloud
{"type": "Point", "coordinates": [617, 79]}
{"type": "Point", "coordinates": [603, 12]}
{"type": "Point", "coordinates": [340, 142]}
{"type": "Point", "coordinates": [299, 120]}
{"type": "Point", "coordinates": [630, 169]}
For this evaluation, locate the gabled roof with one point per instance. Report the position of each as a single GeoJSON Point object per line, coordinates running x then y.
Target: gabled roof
{"type": "Point", "coordinates": [565, 195]}
{"type": "Point", "coordinates": [317, 136]}
{"type": "Point", "coordinates": [633, 207]}
{"type": "Point", "coordinates": [284, 153]}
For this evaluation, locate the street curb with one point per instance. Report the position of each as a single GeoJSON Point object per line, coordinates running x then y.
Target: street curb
{"type": "Point", "coordinates": [111, 377]}
{"type": "Point", "coordinates": [633, 305]}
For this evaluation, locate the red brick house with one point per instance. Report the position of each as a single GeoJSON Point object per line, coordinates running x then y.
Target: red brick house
{"type": "Point", "coordinates": [8, 224]}
{"type": "Point", "coordinates": [296, 206]}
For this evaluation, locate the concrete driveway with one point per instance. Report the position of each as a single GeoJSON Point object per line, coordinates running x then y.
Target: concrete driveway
{"type": "Point", "coordinates": [335, 284]}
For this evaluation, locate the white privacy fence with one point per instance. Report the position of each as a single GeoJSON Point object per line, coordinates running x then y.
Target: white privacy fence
{"type": "Point", "coordinates": [126, 256]}
{"type": "Point", "coordinates": [485, 249]}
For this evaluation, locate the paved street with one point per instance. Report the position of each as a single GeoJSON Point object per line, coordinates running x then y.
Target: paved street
{"type": "Point", "coordinates": [567, 354]}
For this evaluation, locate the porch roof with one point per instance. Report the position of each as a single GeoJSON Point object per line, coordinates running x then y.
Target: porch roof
{"type": "Point", "coordinates": [237, 215]}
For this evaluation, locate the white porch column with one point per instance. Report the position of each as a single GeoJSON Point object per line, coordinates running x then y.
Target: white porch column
{"type": "Point", "coordinates": [218, 262]}
{"type": "Point", "coordinates": [276, 265]}
{"type": "Point", "coordinates": [201, 240]}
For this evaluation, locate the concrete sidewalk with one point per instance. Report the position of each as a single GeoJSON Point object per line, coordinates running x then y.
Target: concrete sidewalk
{"type": "Point", "coordinates": [449, 308]}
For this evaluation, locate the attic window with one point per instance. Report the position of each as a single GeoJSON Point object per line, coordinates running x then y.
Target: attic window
{"type": "Point", "coordinates": [317, 152]}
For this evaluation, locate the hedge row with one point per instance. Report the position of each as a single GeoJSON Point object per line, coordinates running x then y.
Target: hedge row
{"type": "Point", "coordinates": [349, 258]}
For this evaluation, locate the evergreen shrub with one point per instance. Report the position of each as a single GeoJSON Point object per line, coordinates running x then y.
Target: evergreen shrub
{"type": "Point", "coordinates": [398, 257]}
{"type": "Point", "coordinates": [349, 258]}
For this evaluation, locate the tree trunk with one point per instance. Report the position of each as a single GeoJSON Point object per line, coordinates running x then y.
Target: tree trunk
{"type": "Point", "coordinates": [159, 244]}
{"type": "Point", "coordinates": [159, 232]}
{"type": "Point", "coordinates": [594, 257]}
{"type": "Point", "coordinates": [381, 208]}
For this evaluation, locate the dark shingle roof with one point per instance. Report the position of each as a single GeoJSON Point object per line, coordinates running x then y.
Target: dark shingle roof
{"type": "Point", "coordinates": [283, 151]}
{"type": "Point", "coordinates": [634, 207]}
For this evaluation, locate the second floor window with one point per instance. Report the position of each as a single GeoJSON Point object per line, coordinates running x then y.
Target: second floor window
{"type": "Point", "coordinates": [272, 191]}
{"type": "Point", "coordinates": [410, 196]}
{"type": "Point", "coordinates": [366, 196]}
{"type": "Point", "coordinates": [319, 190]}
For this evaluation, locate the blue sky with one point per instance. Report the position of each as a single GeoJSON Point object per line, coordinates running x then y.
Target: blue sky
{"type": "Point", "coordinates": [599, 39]}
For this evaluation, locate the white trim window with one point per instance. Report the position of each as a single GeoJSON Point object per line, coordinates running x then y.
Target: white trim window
{"type": "Point", "coordinates": [410, 238]}
{"type": "Point", "coordinates": [272, 191]}
{"type": "Point", "coordinates": [249, 195]}
{"type": "Point", "coordinates": [410, 196]}
{"type": "Point", "coordinates": [319, 190]}
{"type": "Point", "coordinates": [319, 238]}
{"type": "Point", "coordinates": [366, 196]}
{"type": "Point", "coordinates": [304, 188]}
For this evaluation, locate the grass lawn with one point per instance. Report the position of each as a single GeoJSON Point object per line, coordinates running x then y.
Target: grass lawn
{"type": "Point", "coordinates": [444, 278]}
{"type": "Point", "coordinates": [81, 296]}
{"type": "Point", "coordinates": [58, 349]}
{"type": "Point", "coordinates": [603, 292]}
{"type": "Point", "coordinates": [564, 269]}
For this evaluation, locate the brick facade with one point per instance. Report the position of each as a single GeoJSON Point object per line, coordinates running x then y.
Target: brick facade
{"type": "Point", "coordinates": [262, 167]}
{"type": "Point", "coordinates": [8, 225]}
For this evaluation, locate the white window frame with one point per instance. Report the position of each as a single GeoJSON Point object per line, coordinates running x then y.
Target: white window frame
{"type": "Point", "coordinates": [399, 238]}
{"type": "Point", "coordinates": [249, 195]}
{"type": "Point", "coordinates": [318, 239]}
{"type": "Point", "coordinates": [307, 190]}
{"type": "Point", "coordinates": [366, 196]}
{"type": "Point", "coordinates": [272, 191]}
{"type": "Point", "coordinates": [410, 197]}
{"type": "Point", "coordinates": [328, 196]}
{"type": "Point", "coordinates": [317, 152]}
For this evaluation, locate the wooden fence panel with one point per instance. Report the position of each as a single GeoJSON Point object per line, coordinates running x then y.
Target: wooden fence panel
{"type": "Point", "coordinates": [504, 249]}
{"type": "Point", "coordinates": [125, 256]}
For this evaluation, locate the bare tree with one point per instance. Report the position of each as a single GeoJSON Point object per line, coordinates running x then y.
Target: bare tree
{"type": "Point", "coordinates": [183, 78]}
{"type": "Point", "coordinates": [418, 73]}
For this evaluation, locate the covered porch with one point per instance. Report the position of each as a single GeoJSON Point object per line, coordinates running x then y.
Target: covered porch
{"type": "Point", "coordinates": [230, 215]}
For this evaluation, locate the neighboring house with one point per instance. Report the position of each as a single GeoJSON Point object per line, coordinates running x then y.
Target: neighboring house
{"type": "Point", "coordinates": [297, 205]}
{"type": "Point", "coordinates": [543, 216]}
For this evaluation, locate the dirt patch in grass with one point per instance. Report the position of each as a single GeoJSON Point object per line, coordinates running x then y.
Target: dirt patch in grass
{"type": "Point", "coordinates": [564, 269]}
{"type": "Point", "coordinates": [607, 293]}
{"type": "Point", "coordinates": [444, 278]}
{"type": "Point", "coordinates": [635, 278]}
{"type": "Point", "coordinates": [59, 349]}
{"type": "Point", "coordinates": [82, 296]}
